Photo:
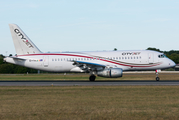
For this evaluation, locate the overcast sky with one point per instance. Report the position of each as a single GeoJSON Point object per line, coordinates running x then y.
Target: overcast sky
{"type": "Point", "coordinates": [91, 25]}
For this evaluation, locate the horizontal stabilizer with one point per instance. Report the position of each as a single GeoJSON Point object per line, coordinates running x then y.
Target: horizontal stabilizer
{"type": "Point", "coordinates": [13, 57]}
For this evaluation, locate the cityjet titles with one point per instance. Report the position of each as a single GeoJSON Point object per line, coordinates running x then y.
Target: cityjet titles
{"type": "Point", "coordinates": [33, 60]}
{"type": "Point", "coordinates": [23, 39]}
{"type": "Point", "coordinates": [131, 53]}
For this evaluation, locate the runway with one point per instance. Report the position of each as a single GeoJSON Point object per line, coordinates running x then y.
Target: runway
{"type": "Point", "coordinates": [88, 83]}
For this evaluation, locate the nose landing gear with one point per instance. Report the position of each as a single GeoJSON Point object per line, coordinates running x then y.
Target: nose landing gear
{"type": "Point", "coordinates": [157, 78]}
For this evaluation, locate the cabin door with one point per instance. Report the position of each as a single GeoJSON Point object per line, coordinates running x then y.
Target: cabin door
{"type": "Point", "coordinates": [46, 61]}
{"type": "Point", "coordinates": [151, 58]}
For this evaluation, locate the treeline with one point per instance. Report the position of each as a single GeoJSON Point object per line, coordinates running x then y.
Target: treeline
{"type": "Point", "coordinates": [13, 69]}
{"type": "Point", "coordinates": [172, 54]}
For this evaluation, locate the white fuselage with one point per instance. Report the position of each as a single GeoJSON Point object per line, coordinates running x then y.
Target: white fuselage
{"type": "Point", "coordinates": [63, 62]}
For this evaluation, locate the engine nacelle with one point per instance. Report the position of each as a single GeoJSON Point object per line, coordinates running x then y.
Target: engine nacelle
{"type": "Point", "coordinates": [111, 73]}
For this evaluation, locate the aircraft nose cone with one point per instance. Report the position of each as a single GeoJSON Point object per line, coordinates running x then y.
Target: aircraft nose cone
{"type": "Point", "coordinates": [172, 64]}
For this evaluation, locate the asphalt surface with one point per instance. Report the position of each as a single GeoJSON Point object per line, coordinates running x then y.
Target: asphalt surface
{"type": "Point", "coordinates": [88, 83]}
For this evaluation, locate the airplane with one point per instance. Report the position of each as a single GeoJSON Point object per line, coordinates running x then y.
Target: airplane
{"type": "Point", "coordinates": [109, 64]}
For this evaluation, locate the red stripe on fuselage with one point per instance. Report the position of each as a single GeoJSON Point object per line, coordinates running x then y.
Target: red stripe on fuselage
{"type": "Point", "coordinates": [90, 58]}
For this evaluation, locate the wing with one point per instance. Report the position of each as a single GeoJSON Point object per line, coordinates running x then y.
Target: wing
{"type": "Point", "coordinates": [89, 66]}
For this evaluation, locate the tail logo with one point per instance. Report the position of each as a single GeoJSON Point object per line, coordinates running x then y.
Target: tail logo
{"type": "Point", "coordinates": [23, 38]}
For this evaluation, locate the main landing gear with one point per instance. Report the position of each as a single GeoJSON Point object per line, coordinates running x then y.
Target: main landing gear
{"type": "Point", "coordinates": [157, 78]}
{"type": "Point", "coordinates": [92, 78]}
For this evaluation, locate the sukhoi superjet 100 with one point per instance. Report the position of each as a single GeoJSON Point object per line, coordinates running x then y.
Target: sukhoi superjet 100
{"type": "Point", "coordinates": [110, 64]}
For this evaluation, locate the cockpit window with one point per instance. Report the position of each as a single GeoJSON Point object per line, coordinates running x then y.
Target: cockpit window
{"type": "Point", "coordinates": [162, 56]}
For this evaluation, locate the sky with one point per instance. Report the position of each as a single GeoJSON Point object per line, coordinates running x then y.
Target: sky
{"type": "Point", "coordinates": [91, 25]}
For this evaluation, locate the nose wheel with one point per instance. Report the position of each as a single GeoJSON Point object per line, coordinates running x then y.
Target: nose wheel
{"type": "Point", "coordinates": [157, 78]}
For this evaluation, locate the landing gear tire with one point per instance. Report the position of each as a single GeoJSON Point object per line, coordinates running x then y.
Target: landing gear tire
{"type": "Point", "coordinates": [157, 78]}
{"type": "Point", "coordinates": [92, 78]}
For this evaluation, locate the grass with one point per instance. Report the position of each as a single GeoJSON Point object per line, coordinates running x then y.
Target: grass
{"type": "Point", "coordinates": [90, 102]}
{"type": "Point", "coordinates": [133, 76]}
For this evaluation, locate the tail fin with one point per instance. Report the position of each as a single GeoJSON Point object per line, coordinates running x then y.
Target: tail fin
{"type": "Point", "coordinates": [22, 43]}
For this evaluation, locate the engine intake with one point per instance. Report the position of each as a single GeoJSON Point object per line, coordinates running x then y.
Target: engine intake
{"type": "Point", "coordinates": [111, 73]}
